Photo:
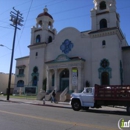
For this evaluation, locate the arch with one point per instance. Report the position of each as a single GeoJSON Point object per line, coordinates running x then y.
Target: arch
{"type": "Point", "coordinates": [20, 83]}
{"type": "Point", "coordinates": [49, 39]}
{"type": "Point", "coordinates": [102, 5]}
{"type": "Point", "coordinates": [64, 79]}
{"type": "Point", "coordinates": [104, 72]}
{"type": "Point", "coordinates": [35, 76]}
{"type": "Point", "coordinates": [40, 23]}
{"type": "Point", "coordinates": [103, 23]}
{"type": "Point", "coordinates": [105, 78]}
{"type": "Point", "coordinates": [38, 38]}
{"type": "Point", "coordinates": [34, 82]}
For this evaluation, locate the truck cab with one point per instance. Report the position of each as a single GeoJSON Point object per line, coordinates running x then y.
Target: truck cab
{"type": "Point", "coordinates": [85, 99]}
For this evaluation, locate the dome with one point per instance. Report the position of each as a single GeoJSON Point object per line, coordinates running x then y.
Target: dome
{"type": "Point", "coordinates": [45, 13]}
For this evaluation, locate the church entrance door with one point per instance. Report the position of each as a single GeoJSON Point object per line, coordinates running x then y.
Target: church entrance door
{"type": "Point", "coordinates": [64, 79]}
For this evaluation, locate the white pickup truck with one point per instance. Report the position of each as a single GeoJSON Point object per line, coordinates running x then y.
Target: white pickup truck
{"type": "Point", "coordinates": [98, 96]}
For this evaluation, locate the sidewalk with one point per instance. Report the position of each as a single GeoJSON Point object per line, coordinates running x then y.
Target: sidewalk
{"type": "Point", "coordinates": [36, 102]}
{"type": "Point", "coordinates": [59, 104]}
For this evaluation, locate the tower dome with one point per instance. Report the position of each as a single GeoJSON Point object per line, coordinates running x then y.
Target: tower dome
{"type": "Point", "coordinates": [45, 13]}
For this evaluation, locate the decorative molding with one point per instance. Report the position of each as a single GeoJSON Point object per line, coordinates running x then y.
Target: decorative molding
{"type": "Point", "coordinates": [67, 65]}
{"type": "Point", "coordinates": [102, 33]}
{"type": "Point", "coordinates": [20, 75]}
{"type": "Point", "coordinates": [62, 57]}
{"type": "Point", "coordinates": [104, 67]}
{"type": "Point", "coordinates": [66, 46]}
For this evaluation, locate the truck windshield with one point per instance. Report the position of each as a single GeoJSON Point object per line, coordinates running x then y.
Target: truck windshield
{"type": "Point", "coordinates": [87, 90]}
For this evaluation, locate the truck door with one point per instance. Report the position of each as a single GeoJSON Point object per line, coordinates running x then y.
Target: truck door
{"type": "Point", "coordinates": [88, 97]}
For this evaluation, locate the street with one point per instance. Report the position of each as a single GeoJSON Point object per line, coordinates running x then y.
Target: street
{"type": "Point", "coordinates": [20, 116]}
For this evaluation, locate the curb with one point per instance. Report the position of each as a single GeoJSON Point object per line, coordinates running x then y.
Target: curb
{"type": "Point", "coordinates": [48, 105]}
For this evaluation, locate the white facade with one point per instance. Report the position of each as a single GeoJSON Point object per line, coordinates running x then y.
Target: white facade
{"type": "Point", "coordinates": [4, 78]}
{"type": "Point", "coordinates": [73, 57]}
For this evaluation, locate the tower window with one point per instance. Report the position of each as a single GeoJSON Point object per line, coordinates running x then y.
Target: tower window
{"type": "Point", "coordinates": [103, 23]}
{"type": "Point", "coordinates": [38, 39]}
{"type": "Point", "coordinates": [49, 39]}
{"type": "Point", "coordinates": [103, 43]}
{"type": "Point", "coordinates": [36, 53]}
{"type": "Point", "coordinates": [102, 5]}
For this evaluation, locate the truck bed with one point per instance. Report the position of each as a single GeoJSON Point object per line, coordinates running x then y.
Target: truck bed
{"type": "Point", "coordinates": [112, 93]}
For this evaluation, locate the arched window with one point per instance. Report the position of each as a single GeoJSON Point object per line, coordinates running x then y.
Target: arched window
{"type": "Point", "coordinates": [35, 76]}
{"type": "Point", "coordinates": [102, 5]}
{"type": "Point", "coordinates": [34, 81]}
{"type": "Point", "coordinates": [20, 83]}
{"type": "Point", "coordinates": [105, 78]}
{"type": "Point", "coordinates": [38, 39]}
{"type": "Point", "coordinates": [104, 63]}
{"type": "Point", "coordinates": [103, 23]}
{"type": "Point", "coordinates": [35, 70]}
{"type": "Point", "coordinates": [105, 72]}
{"type": "Point", "coordinates": [49, 39]}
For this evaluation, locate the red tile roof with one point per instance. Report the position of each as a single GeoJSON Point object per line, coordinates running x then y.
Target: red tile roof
{"type": "Point", "coordinates": [44, 14]}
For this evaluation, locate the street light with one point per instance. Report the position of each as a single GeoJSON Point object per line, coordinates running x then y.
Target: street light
{"type": "Point", "coordinates": [5, 46]}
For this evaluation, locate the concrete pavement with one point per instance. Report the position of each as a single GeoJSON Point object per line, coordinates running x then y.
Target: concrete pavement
{"type": "Point", "coordinates": [58, 104]}
{"type": "Point", "coordinates": [36, 102]}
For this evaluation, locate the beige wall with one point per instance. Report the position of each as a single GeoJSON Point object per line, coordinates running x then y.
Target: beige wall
{"type": "Point", "coordinates": [4, 82]}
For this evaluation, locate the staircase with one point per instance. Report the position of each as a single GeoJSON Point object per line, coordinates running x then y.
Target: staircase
{"type": "Point", "coordinates": [48, 97]}
{"type": "Point", "coordinates": [63, 96]}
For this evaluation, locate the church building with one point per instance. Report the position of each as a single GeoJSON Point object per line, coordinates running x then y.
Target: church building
{"type": "Point", "coordinates": [71, 60]}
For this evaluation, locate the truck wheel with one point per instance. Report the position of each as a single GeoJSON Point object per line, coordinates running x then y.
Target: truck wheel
{"type": "Point", "coordinates": [128, 109]}
{"type": "Point", "coordinates": [76, 105]}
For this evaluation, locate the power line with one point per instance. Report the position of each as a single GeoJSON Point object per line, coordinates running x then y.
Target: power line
{"type": "Point", "coordinates": [5, 27]}
{"type": "Point", "coordinates": [14, 6]}
{"type": "Point", "coordinates": [24, 24]}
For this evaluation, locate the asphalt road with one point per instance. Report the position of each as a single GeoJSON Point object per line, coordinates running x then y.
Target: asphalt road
{"type": "Point", "coordinates": [20, 116]}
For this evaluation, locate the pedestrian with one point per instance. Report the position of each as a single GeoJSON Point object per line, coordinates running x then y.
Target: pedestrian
{"type": "Point", "coordinates": [53, 96]}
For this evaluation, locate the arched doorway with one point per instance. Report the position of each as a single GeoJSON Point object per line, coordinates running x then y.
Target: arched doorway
{"type": "Point", "coordinates": [64, 79]}
{"type": "Point", "coordinates": [105, 78]}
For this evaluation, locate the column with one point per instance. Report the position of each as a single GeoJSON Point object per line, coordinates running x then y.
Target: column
{"type": "Point", "coordinates": [56, 87]}
{"type": "Point", "coordinates": [79, 79]}
{"type": "Point", "coordinates": [48, 81]}
{"type": "Point", "coordinates": [70, 80]}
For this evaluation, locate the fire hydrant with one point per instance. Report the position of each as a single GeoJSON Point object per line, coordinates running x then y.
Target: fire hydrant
{"type": "Point", "coordinates": [44, 101]}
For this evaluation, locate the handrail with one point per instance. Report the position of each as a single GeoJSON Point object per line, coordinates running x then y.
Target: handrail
{"type": "Point", "coordinates": [63, 95]}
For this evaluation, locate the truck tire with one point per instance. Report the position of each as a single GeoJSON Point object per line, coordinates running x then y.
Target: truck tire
{"type": "Point", "coordinates": [128, 109]}
{"type": "Point", "coordinates": [76, 105]}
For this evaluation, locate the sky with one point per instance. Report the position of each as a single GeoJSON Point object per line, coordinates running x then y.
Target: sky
{"type": "Point", "coordinates": [66, 13]}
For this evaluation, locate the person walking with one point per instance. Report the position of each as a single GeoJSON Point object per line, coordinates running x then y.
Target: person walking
{"type": "Point", "coordinates": [53, 96]}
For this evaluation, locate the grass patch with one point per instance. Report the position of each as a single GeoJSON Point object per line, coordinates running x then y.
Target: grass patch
{"type": "Point", "coordinates": [31, 97]}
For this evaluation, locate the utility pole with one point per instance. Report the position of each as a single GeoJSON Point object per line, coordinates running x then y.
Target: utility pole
{"type": "Point", "coordinates": [16, 18]}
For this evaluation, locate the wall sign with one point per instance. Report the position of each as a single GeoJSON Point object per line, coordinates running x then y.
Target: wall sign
{"type": "Point", "coordinates": [74, 77]}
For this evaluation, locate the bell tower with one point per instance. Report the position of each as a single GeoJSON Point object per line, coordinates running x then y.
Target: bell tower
{"type": "Point", "coordinates": [43, 32]}
{"type": "Point", "coordinates": [41, 35]}
{"type": "Point", "coordinates": [104, 15]}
